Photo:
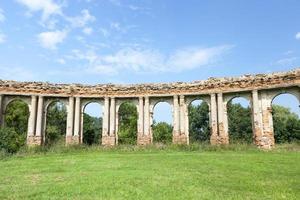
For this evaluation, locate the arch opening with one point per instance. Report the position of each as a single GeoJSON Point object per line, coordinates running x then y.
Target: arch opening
{"type": "Point", "coordinates": [56, 122]}
{"type": "Point", "coordinates": [199, 128]}
{"type": "Point", "coordinates": [239, 120]}
{"type": "Point", "coordinates": [127, 123]}
{"type": "Point", "coordinates": [162, 125]}
{"type": "Point", "coordinates": [16, 117]}
{"type": "Point", "coordinates": [92, 124]}
{"type": "Point", "coordinates": [286, 122]}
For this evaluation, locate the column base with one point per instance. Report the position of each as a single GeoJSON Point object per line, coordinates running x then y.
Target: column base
{"type": "Point", "coordinates": [223, 140]}
{"type": "Point", "coordinates": [214, 139]}
{"type": "Point", "coordinates": [143, 140]}
{"type": "Point", "coordinates": [72, 140]}
{"type": "Point", "coordinates": [34, 140]}
{"type": "Point", "coordinates": [180, 139]}
{"type": "Point", "coordinates": [264, 142]}
{"type": "Point", "coordinates": [108, 140]}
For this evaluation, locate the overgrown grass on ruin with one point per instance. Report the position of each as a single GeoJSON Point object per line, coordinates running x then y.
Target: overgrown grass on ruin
{"type": "Point", "coordinates": [198, 171]}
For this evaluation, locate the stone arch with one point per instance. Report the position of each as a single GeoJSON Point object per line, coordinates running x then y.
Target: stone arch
{"type": "Point", "coordinates": [292, 91]}
{"type": "Point", "coordinates": [191, 124]}
{"type": "Point", "coordinates": [127, 138]}
{"type": "Point", "coordinates": [48, 135]}
{"type": "Point", "coordinates": [284, 123]}
{"type": "Point", "coordinates": [9, 99]}
{"type": "Point", "coordinates": [230, 97]}
{"type": "Point", "coordinates": [84, 104]}
{"type": "Point", "coordinates": [20, 121]}
{"type": "Point", "coordinates": [153, 103]}
{"type": "Point", "coordinates": [243, 129]}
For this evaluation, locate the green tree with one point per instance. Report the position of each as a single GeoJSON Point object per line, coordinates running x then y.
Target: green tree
{"type": "Point", "coordinates": [10, 140]}
{"type": "Point", "coordinates": [16, 116]}
{"type": "Point", "coordinates": [162, 132]}
{"type": "Point", "coordinates": [92, 129]}
{"type": "Point", "coordinates": [127, 133]}
{"type": "Point", "coordinates": [199, 129]}
{"type": "Point", "coordinates": [56, 123]}
{"type": "Point", "coordinates": [239, 121]}
{"type": "Point", "coordinates": [286, 125]}
{"type": "Point", "coordinates": [16, 120]}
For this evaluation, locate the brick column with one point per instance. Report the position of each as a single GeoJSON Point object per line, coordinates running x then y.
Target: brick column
{"type": "Point", "coordinates": [105, 125]}
{"type": "Point", "coordinates": [213, 120]}
{"type": "Point", "coordinates": [147, 121]}
{"type": "Point", "coordinates": [176, 126]}
{"type": "Point", "coordinates": [266, 141]}
{"type": "Point", "coordinates": [1, 110]}
{"type": "Point", "coordinates": [143, 138]}
{"type": "Point", "coordinates": [256, 118]}
{"type": "Point", "coordinates": [109, 137]}
{"type": "Point", "coordinates": [70, 121]}
{"type": "Point", "coordinates": [39, 121]}
{"type": "Point", "coordinates": [141, 116]}
{"type": "Point", "coordinates": [222, 120]}
{"type": "Point", "coordinates": [180, 113]}
{"type": "Point", "coordinates": [31, 121]}
{"type": "Point", "coordinates": [77, 123]}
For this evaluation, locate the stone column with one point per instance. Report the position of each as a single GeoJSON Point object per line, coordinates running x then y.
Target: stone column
{"type": "Point", "coordinates": [109, 137]}
{"type": "Point", "coordinates": [267, 140]}
{"type": "Point", "coordinates": [105, 125]}
{"type": "Point", "coordinates": [180, 113]}
{"type": "Point", "coordinates": [31, 121]}
{"type": "Point", "coordinates": [186, 121]}
{"type": "Point", "coordinates": [70, 121]}
{"type": "Point", "coordinates": [213, 120]}
{"type": "Point", "coordinates": [39, 121]}
{"type": "Point", "coordinates": [222, 120]}
{"type": "Point", "coordinates": [176, 127]}
{"type": "Point", "coordinates": [141, 116]}
{"type": "Point", "coordinates": [77, 123]}
{"type": "Point", "coordinates": [112, 125]}
{"type": "Point", "coordinates": [1, 110]}
{"type": "Point", "coordinates": [256, 118]}
{"type": "Point", "coordinates": [143, 139]}
{"type": "Point", "coordinates": [147, 137]}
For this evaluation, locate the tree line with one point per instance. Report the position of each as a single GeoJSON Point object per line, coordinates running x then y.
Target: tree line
{"type": "Point", "coordinates": [13, 134]}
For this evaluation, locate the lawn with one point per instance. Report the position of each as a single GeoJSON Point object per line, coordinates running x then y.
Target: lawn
{"type": "Point", "coordinates": [152, 174]}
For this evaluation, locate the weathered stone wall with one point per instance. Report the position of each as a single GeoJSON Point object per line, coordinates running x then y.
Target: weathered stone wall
{"type": "Point", "coordinates": [212, 85]}
{"type": "Point", "coordinates": [260, 90]}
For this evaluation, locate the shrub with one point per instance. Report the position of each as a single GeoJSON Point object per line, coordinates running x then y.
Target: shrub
{"type": "Point", "coordinates": [10, 140]}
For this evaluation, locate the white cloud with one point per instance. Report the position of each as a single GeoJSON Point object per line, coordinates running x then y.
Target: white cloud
{"type": "Point", "coordinates": [297, 36]}
{"type": "Point", "coordinates": [16, 73]}
{"type": "Point", "coordinates": [61, 61]}
{"type": "Point", "coordinates": [104, 32]}
{"type": "Point", "coordinates": [51, 39]}
{"type": "Point", "coordinates": [82, 20]}
{"type": "Point", "coordinates": [2, 17]}
{"type": "Point", "coordinates": [149, 60]}
{"type": "Point", "coordinates": [287, 61]}
{"type": "Point", "coordinates": [47, 7]}
{"type": "Point", "coordinates": [87, 30]}
{"type": "Point", "coordinates": [2, 38]}
{"type": "Point", "coordinates": [191, 58]}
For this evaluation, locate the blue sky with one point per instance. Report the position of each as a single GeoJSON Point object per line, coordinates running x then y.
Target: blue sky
{"type": "Point", "coordinates": [126, 41]}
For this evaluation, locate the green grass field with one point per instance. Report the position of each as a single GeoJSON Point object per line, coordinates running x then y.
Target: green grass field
{"type": "Point", "coordinates": [170, 173]}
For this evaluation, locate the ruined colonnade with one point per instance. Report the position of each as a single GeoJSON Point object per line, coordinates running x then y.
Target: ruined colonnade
{"type": "Point", "coordinates": [260, 90]}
